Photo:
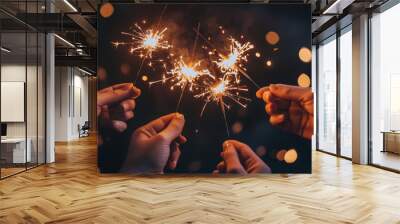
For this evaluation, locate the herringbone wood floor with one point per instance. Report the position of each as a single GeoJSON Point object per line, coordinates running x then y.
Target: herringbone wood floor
{"type": "Point", "coordinates": [71, 191]}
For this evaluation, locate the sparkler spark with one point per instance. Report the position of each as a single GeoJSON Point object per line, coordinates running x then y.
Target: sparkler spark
{"type": "Point", "coordinates": [232, 63]}
{"type": "Point", "coordinates": [225, 88]}
{"type": "Point", "coordinates": [221, 89]}
{"type": "Point", "coordinates": [185, 74]}
{"type": "Point", "coordinates": [145, 42]}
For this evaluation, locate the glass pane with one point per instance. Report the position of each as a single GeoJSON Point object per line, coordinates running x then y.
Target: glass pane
{"type": "Point", "coordinates": [327, 96]}
{"type": "Point", "coordinates": [346, 94]}
{"type": "Point", "coordinates": [41, 98]}
{"type": "Point", "coordinates": [31, 98]}
{"type": "Point", "coordinates": [385, 84]}
{"type": "Point", "coordinates": [13, 86]}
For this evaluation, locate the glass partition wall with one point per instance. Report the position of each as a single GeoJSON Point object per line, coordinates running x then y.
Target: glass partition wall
{"type": "Point", "coordinates": [22, 77]}
{"type": "Point", "coordinates": [326, 99]}
{"type": "Point", "coordinates": [334, 94]}
{"type": "Point", "coordinates": [385, 89]}
{"type": "Point", "coordinates": [345, 92]}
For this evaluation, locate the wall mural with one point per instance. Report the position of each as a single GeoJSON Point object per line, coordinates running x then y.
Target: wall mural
{"type": "Point", "coordinates": [204, 88]}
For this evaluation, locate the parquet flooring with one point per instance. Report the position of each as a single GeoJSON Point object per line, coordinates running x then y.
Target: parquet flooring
{"type": "Point", "coordinates": [71, 191]}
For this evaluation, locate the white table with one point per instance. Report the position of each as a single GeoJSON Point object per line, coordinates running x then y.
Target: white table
{"type": "Point", "coordinates": [17, 146]}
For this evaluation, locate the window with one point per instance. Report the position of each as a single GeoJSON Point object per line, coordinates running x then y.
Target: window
{"type": "Point", "coordinates": [346, 92]}
{"type": "Point", "coordinates": [327, 96]}
{"type": "Point", "coordinates": [385, 89]}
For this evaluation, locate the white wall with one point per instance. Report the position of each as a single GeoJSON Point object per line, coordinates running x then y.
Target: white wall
{"type": "Point", "coordinates": [71, 103]}
{"type": "Point", "coordinates": [16, 73]}
{"type": "Point", "coordinates": [33, 127]}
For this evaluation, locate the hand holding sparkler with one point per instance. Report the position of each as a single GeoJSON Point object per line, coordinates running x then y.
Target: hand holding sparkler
{"type": "Point", "coordinates": [156, 145]}
{"type": "Point", "coordinates": [239, 158]}
{"type": "Point", "coordinates": [289, 107]}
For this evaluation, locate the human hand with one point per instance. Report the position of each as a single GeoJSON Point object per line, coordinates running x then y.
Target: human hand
{"type": "Point", "coordinates": [238, 158]}
{"type": "Point", "coordinates": [115, 105]}
{"type": "Point", "coordinates": [156, 145]}
{"type": "Point", "coordinates": [290, 108]}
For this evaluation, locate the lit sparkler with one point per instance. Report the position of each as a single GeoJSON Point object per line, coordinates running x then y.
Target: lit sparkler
{"type": "Point", "coordinates": [145, 42]}
{"type": "Point", "coordinates": [227, 88]}
{"type": "Point", "coordinates": [233, 63]}
{"type": "Point", "coordinates": [184, 74]}
{"type": "Point", "coordinates": [188, 74]}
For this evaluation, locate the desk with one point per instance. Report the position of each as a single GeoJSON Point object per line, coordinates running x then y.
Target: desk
{"type": "Point", "coordinates": [391, 141]}
{"type": "Point", "coordinates": [13, 150]}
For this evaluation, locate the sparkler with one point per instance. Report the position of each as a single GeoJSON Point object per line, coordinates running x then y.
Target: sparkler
{"type": "Point", "coordinates": [218, 91]}
{"type": "Point", "coordinates": [145, 42]}
{"type": "Point", "coordinates": [184, 75]}
{"type": "Point", "coordinates": [188, 74]}
{"type": "Point", "coordinates": [237, 55]}
{"type": "Point", "coordinates": [233, 64]}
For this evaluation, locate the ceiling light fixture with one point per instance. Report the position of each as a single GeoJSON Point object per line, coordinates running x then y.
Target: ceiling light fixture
{"type": "Point", "coordinates": [64, 40]}
{"type": "Point", "coordinates": [337, 7]}
{"type": "Point", "coordinates": [70, 5]}
{"type": "Point", "coordinates": [84, 71]}
{"type": "Point", "coordinates": [5, 50]}
{"type": "Point", "coordinates": [333, 6]}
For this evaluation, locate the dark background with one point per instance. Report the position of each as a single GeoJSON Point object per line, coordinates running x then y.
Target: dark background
{"type": "Point", "coordinates": [206, 134]}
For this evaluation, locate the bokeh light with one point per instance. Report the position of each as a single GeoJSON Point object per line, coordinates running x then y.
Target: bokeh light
{"type": "Point", "coordinates": [101, 73]}
{"type": "Point", "coordinates": [125, 69]}
{"type": "Point", "coordinates": [305, 55]}
{"type": "Point", "coordinates": [145, 78]}
{"type": "Point", "coordinates": [237, 127]}
{"type": "Point", "coordinates": [268, 63]}
{"type": "Point", "coordinates": [290, 156]}
{"type": "Point", "coordinates": [258, 54]}
{"type": "Point", "coordinates": [304, 80]}
{"type": "Point", "coordinates": [280, 155]}
{"type": "Point", "coordinates": [261, 151]}
{"type": "Point", "coordinates": [106, 10]}
{"type": "Point", "coordinates": [272, 37]}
